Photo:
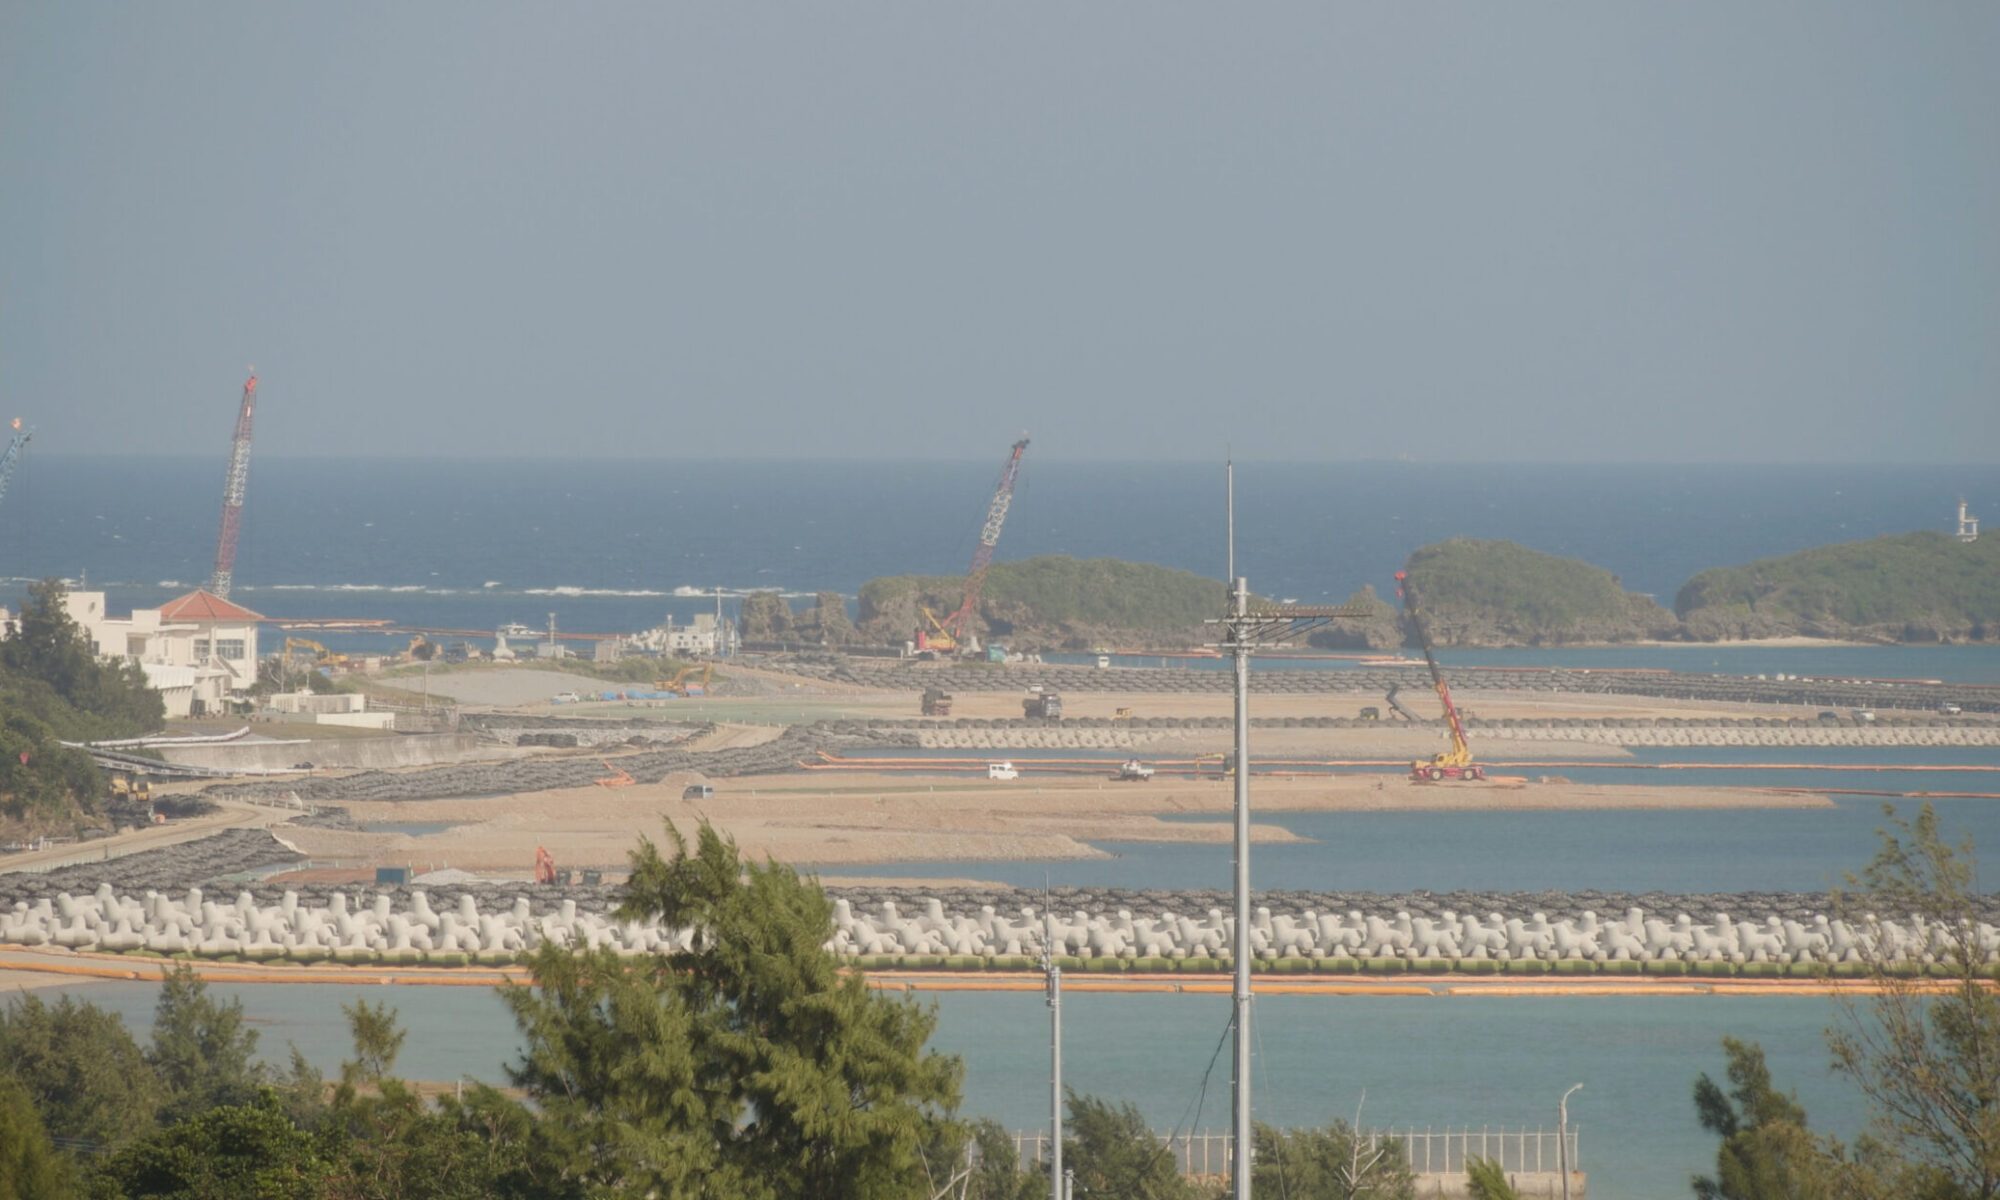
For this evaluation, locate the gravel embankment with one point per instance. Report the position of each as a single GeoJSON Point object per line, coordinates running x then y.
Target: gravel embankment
{"type": "Point", "coordinates": [547, 774]}
{"type": "Point", "coordinates": [1833, 693]}
{"type": "Point", "coordinates": [170, 868]}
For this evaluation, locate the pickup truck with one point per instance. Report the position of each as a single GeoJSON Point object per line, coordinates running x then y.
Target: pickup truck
{"type": "Point", "coordinates": [1134, 770]}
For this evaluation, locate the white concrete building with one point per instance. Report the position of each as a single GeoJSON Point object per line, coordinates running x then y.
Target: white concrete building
{"type": "Point", "coordinates": [199, 650]}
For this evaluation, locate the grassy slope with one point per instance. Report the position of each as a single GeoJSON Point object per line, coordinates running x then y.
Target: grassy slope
{"type": "Point", "coordinates": [1925, 576]}
{"type": "Point", "coordinates": [1057, 589]}
{"type": "Point", "coordinates": [1466, 577]}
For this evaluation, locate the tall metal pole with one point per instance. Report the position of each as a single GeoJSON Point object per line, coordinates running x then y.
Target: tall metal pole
{"type": "Point", "coordinates": [1240, 647]}
{"type": "Point", "coordinates": [1246, 630]}
{"type": "Point", "coordinates": [1054, 974]}
{"type": "Point", "coordinates": [1562, 1137]}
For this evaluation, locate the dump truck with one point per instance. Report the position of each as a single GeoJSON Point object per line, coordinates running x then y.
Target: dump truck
{"type": "Point", "coordinates": [1041, 703]}
{"type": "Point", "coordinates": [936, 702]}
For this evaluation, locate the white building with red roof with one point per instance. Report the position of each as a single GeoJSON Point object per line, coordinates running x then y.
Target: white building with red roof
{"type": "Point", "coordinates": [199, 650]}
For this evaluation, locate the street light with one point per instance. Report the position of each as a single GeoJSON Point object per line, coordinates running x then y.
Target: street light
{"type": "Point", "coordinates": [1562, 1136]}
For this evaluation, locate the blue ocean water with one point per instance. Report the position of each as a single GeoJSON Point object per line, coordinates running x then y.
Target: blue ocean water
{"type": "Point", "coordinates": [454, 543]}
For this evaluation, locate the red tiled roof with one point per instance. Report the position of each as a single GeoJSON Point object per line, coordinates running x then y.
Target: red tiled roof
{"type": "Point", "coordinates": [200, 605]}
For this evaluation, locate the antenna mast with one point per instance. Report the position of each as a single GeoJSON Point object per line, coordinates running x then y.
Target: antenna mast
{"type": "Point", "coordinates": [232, 494]}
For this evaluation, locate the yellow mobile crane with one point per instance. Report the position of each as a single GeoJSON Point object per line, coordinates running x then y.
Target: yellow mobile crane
{"type": "Point", "coordinates": [1455, 763]}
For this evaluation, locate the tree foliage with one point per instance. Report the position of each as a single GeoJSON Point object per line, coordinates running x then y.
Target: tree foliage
{"type": "Point", "coordinates": [1485, 1180]}
{"type": "Point", "coordinates": [1904, 584]}
{"type": "Point", "coordinates": [1927, 1060]}
{"type": "Point", "coordinates": [80, 1067]}
{"type": "Point", "coordinates": [1762, 1132]}
{"type": "Point", "coordinates": [1053, 600]}
{"type": "Point", "coordinates": [202, 1054]}
{"type": "Point", "coordinates": [234, 1152]}
{"type": "Point", "coordinates": [30, 1166]}
{"type": "Point", "coordinates": [745, 1064]}
{"type": "Point", "coordinates": [766, 617]}
{"type": "Point", "coordinates": [1330, 1164]}
{"type": "Point", "coordinates": [53, 689]}
{"type": "Point", "coordinates": [1113, 1152]}
{"type": "Point", "coordinates": [1472, 591]}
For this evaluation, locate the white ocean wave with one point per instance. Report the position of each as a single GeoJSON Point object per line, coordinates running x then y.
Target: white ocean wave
{"type": "Point", "coordinates": [572, 591]}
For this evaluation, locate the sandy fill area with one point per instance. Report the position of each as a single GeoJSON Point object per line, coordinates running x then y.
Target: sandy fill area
{"type": "Point", "coordinates": [864, 818]}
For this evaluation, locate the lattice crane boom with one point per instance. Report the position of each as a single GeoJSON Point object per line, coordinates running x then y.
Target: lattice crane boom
{"type": "Point", "coordinates": [958, 624]}
{"type": "Point", "coordinates": [12, 457]}
{"type": "Point", "coordinates": [232, 494]}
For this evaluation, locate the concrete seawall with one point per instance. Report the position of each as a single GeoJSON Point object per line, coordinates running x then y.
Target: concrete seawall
{"type": "Point", "coordinates": [411, 750]}
{"type": "Point", "coordinates": [1100, 735]}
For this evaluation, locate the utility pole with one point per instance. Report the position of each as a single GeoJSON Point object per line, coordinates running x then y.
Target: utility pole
{"type": "Point", "coordinates": [1562, 1136]}
{"type": "Point", "coordinates": [1245, 630]}
{"type": "Point", "coordinates": [1053, 973]}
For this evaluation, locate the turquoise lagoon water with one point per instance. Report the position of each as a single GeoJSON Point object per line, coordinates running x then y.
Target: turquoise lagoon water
{"type": "Point", "coordinates": [1720, 850]}
{"type": "Point", "coordinates": [1457, 1061]}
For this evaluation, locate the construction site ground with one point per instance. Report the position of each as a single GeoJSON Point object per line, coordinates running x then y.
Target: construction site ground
{"type": "Point", "coordinates": [858, 817]}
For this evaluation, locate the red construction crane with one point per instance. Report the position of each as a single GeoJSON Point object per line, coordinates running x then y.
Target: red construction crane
{"type": "Point", "coordinates": [232, 494]}
{"type": "Point", "coordinates": [959, 624]}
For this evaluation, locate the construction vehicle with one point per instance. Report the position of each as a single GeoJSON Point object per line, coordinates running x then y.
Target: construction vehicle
{"type": "Point", "coordinates": [545, 866]}
{"type": "Point", "coordinates": [936, 702]}
{"type": "Point", "coordinates": [233, 486]}
{"type": "Point", "coordinates": [679, 685]}
{"type": "Point", "coordinates": [1044, 704]}
{"type": "Point", "coordinates": [1371, 713]}
{"type": "Point", "coordinates": [421, 648]}
{"type": "Point", "coordinates": [11, 457]}
{"type": "Point", "coordinates": [1455, 763]}
{"type": "Point", "coordinates": [956, 631]}
{"type": "Point", "coordinates": [935, 640]}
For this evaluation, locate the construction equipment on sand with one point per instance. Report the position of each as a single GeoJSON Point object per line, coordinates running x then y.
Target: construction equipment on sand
{"type": "Point", "coordinates": [545, 866]}
{"type": "Point", "coordinates": [956, 630]}
{"type": "Point", "coordinates": [1133, 771]}
{"type": "Point", "coordinates": [233, 487]}
{"type": "Point", "coordinates": [1455, 763]}
{"type": "Point", "coordinates": [1041, 703]}
{"type": "Point", "coordinates": [679, 685]}
{"type": "Point", "coordinates": [619, 777]}
{"type": "Point", "coordinates": [936, 702]}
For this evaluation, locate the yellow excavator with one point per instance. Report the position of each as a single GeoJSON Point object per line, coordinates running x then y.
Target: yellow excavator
{"type": "Point", "coordinates": [679, 685]}
{"type": "Point", "coordinates": [1455, 763]}
{"type": "Point", "coordinates": [937, 637]}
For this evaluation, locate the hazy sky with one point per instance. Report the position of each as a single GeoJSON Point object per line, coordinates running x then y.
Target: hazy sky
{"type": "Point", "coordinates": [1530, 232]}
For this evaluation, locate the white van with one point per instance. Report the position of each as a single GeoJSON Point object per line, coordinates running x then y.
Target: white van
{"type": "Point", "coordinates": [566, 698]}
{"type": "Point", "coordinates": [1001, 770]}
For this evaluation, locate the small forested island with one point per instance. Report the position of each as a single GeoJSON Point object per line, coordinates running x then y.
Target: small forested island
{"type": "Point", "coordinates": [1907, 587]}
{"type": "Point", "coordinates": [1492, 593]}
{"type": "Point", "coordinates": [1054, 602]}
{"type": "Point", "coordinates": [1916, 587]}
